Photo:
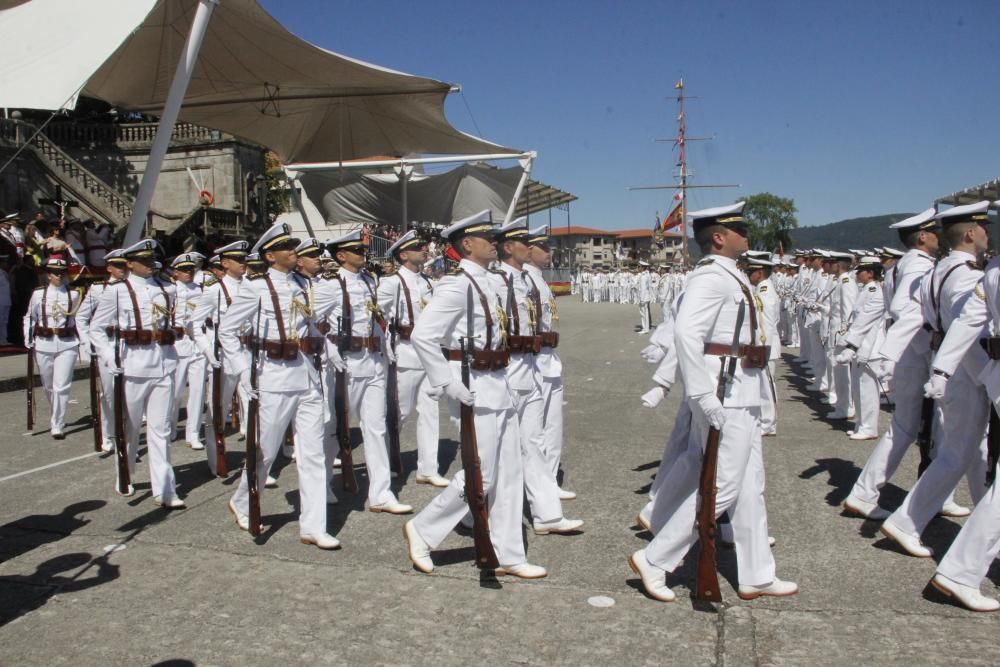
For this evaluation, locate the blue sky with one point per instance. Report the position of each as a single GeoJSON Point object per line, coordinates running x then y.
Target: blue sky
{"type": "Point", "coordinates": [850, 108]}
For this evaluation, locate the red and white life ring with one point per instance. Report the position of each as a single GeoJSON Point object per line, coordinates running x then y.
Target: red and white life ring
{"type": "Point", "coordinates": [206, 198]}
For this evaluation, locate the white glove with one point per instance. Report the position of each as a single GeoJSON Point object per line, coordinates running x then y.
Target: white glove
{"type": "Point", "coordinates": [435, 392]}
{"type": "Point", "coordinates": [459, 392]}
{"type": "Point", "coordinates": [247, 387]}
{"type": "Point", "coordinates": [713, 410]}
{"type": "Point", "coordinates": [935, 386]}
{"type": "Point", "coordinates": [115, 369]}
{"type": "Point", "coordinates": [212, 361]}
{"type": "Point", "coordinates": [845, 356]}
{"type": "Point", "coordinates": [336, 360]}
{"type": "Point", "coordinates": [653, 354]}
{"type": "Point", "coordinates": [653, 397]}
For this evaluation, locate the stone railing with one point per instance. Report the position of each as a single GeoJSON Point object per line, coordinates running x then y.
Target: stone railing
{"type": "Point", "coordinates": [128, 135]}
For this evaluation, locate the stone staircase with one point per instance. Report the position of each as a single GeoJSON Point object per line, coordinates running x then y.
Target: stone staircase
{"type": "Point", "coordinates": [94, 195]}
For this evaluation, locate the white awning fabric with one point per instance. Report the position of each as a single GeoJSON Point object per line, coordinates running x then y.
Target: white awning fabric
{"type": "Point", "coordinates": [253, 78]}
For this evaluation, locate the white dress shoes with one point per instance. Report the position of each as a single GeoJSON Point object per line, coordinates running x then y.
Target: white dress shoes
{"type": "Point", "coordinates": [434, 480]}
{"type": "Point", "coordinates": [108, 445]}
{"type": "Point", "coordinates": [654, 579]}
{"type": "Point", "coordinates": [776, 588]}
{"type": "Point", "coordinates": [909, 543]}
{"type": "Point", "coordinates": [566, 495]}
{"type": "Point", "coordinates": [643, 519]}
{"type": "Point", "coordinates": [270, 483]}
{"type": "Point", "coordinates": [321, 540]}
{"type": "Point", "coordinates": [522, 570]}
{"type": "Point", "coordinates": [242, 520]}
{"type": "Point", "coordinates": [865, 509]}
{"type": "Point", "coordinates": [561, 525]}
{"type": "Point", "coordinates": [954, 510]}
{"type": "Point", "coordinates": [170, 502]}
{"type": "Point", "coordinates": [196, 445]}
{"type": "Point", "coordinates": [863, 435]}
{"type": "Point", "coordinates": [393, 507]}
{"type": "Point", "coordinates": [836, 416]}
{"type": "Point", "coordinates": [420, 552]}
{"type": "Point", "coordinates": [967, 596]}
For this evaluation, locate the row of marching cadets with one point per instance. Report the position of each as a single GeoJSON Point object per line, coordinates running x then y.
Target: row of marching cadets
{"type": "Point", "coordinates": [307, 349]}
{"type": "Point", "coordinates": [926, 336]}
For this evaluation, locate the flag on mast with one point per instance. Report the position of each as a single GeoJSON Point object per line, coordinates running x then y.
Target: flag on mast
{"type": "Point", "coordinates": [673, 220]}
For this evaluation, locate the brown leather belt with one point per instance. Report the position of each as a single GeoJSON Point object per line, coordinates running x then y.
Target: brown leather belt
{"type": "Point", "coordinates": [992, 347]}
{"type": "Point", "coordinates": [311, 345]}
{"type": "Point", "coordinates": [405, 331]}
{"type": "Point", "coordinates": [550, 339]}
{"type": "Point", "coordinates": [246, 340]}
{"type": "Point", "coordinates": [751, 356]}
{"type": "Point", "coordinates": [287, 351]}
{"type": "Point", "coordinates": [524, 344]}
{"type": "Point", "coordinates": [133, 337]}
{"type": "Point", "coordinates": [358, 343]}
{"type": "Point", "coordinates": [482, 360]}
{"type": "Point", "coordinates": [180, 332]}
{"type": "Point", "coordinates": [58, 332]}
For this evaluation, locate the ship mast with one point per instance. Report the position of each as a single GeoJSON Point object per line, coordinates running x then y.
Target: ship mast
{"type": "Point", "coordinates": [682, 185]}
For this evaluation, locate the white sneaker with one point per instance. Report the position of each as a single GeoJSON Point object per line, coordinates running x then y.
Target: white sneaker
{"type": "Point", "coordinates": [170, 502]}
{"type": "Point", "coordinates": [321, 540]}
{"type": "Point", "coordinates": [561, 525]}
{"type": "Point", "coordinates": [392, 507]}
{"type": "Point", "coordinates": [420, 552]}
{"type": "Point", "coordinates": [776, 588]}
{"type": "Point", "coordinates": [954, 510]}
{"type": "Point", "coordinates": [865, 509]}
{"type": "Point", "coordinates": [522, 570]}
{"type": "Point", "coordinates": [566, 495]}
{"type": "Point", "coordinates": [270, 483]}
{"type": "Point", "coordinates": [909, 543]}
{"type": "Point", "coordinates": [967, 596]}
{"type": "Point", "coordinates": [434, 480]}
{"type": "Point", "coordinates": [654, 579]}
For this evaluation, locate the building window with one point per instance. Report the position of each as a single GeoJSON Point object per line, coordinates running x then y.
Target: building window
{"type": "Point", "coordinates": [596, 240]}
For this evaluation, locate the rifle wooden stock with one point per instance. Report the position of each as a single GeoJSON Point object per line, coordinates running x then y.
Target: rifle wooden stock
{"type": "Point", "coordinates": [30, 389]}
{"type": "Point", "coordinates": [234, 412]}
{"type": "Point", "coordinates": [218, 423]}
{"type": "Point", "coordinates": [924, 436]}
{"type": "Point", "coordinates": [95, 402]}
{"type": "Point", "coordinates": [707, 581]}
{"type": "Point", "coordinates": [121, 443]}
{"type": "Point", "coordinates": [992, 446]}
{"type": "Point", "coordinates": [392, 418]}
{"type": "Point", "coordinates": [344, 432]}
{"type": "Point", "coordinates": [253, 435]}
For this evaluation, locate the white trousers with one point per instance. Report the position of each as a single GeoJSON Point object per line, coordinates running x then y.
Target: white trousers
{"type": "Point", "coordinates": [503, 481]}
{"type": "Point", "coordinates": [552, 396]}
{"type": "Point", "coordinates": [191, 372]}
{"type": "Point", "coordinates": [367, 403]}
{"type": "Point", "coordinates": [960, 450]}
{"type": "Point", "coordinates": [911, 374]}
{"type": "Point", "coordinates": [304, 409]}
{"type": "Point", "coordinates": [413, 386]}
{"type": "Point", "coordinates": [230, 384]}
{"type": "Point", "coordinates": [769, 403]}
{"type": "Point", "coordinates": [971, 554]}
{"type": "Point", "coordinates": [865, 393]}
{"type": "Point", "coordinates": [673, 450]}
{"type": "Point", "coordinates": [56, 371]}
{"type": "Point", "coordinates": [645, 315]}
{"type": "Point", "coordinates": [107, 402]}
{"type": "Point", "coordinates": [739, 487]}
{"type": "Point", "coordinates": [154, 398]}
{"type": "Point", "coordinates": [539, 483]}
{"type": "Point", "coordinates": [842, 388]}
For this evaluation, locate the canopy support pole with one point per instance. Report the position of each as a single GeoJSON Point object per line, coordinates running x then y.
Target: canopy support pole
{"type": "Point", "coordinates": [526, 164]}
{"type": "Point", "coordinates": [293, 183]}
{"type": "Point", "coordinates": [403, 172]}
{"type": "Point", "coordinates": [172, 107]}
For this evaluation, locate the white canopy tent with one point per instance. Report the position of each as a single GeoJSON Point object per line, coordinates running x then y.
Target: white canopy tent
{"type": "Point", "coordinates": [240, 71]}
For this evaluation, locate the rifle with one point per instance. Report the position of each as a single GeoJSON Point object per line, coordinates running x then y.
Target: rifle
{"type": "Point", "coordinates": [30, 389]}
{"type": "Point", "coordinates": [340, 401]}
{"type": "Point", "coordinates": [707, 581]}
{"type": "Point", "coordinates": [392, 414]}
{"type": "Point", "coordinates": [218, 423]}
{"type": "Point", "coordinates": [252, 433]}
{"type": "Point", "coordinates": [121, 443]}
{"type": "Point", "coordinates": [486, 558]}
{"type": "Point", "coordinates": [992, 446]}
{"type": "Point", "coordinates": [924, 435]}
{"type": "Point", "coordinates": [95, 401]}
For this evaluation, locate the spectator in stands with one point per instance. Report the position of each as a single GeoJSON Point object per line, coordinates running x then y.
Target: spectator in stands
{"type": "Point", "coordinates": [56, 247]}
{"type": "Point", "coordinates": [388, 268]}
{"type": "Point", "coordinates": [96, 247]}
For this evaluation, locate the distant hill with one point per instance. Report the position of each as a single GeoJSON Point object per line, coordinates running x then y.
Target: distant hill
{"type": "Point", "coordinates": [861, 233]}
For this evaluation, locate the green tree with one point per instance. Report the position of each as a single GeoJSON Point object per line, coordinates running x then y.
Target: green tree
{"type": "Point", "coordinates": [770, 219]}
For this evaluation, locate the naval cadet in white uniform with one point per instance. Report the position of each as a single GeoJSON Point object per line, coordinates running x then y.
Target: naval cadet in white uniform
{"type": "Point", "coordinates": [402, 297]}
{"type": "Point", "coordinates": [275, 308]}
{"type": "Point", "coordinates": [191, 362]}
{"type": "Point", "coordinates": [137, 313]}
{"type": "Point", "coordinates": [717, 292]}
{"type": "Point", "coordinates": [444, 324]}
{"type": "Point", "coordinates": [50, 331]}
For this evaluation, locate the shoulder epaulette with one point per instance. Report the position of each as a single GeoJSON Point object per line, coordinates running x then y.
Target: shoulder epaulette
{"type": "Point", "coordinates": [705, 261]}
{"type": "Point", "coordinates": [40, 287]}
{"type": "Point", "coordinates": [762, 288]}
{"type": "Point", "coordinates": [455, 272]}
{"type": "Point", "coordinates": [256, 276]}
{"type": "Point", "coordinates": [211, 281]}
{"type": "Point", "coordinates": [845, 280]}
{"type": "Point", "coordinates": [974, 265]}
{"type": "Point", "coordinates": [872, 288]}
